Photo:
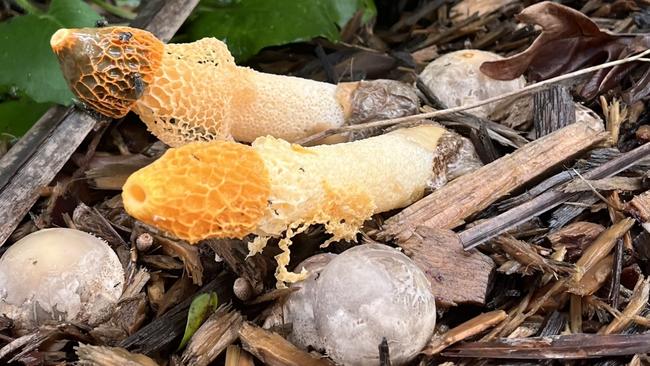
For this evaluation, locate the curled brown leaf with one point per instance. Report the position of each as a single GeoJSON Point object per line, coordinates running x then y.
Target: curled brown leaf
{"type": "Point", "coordinates": [570, 41]}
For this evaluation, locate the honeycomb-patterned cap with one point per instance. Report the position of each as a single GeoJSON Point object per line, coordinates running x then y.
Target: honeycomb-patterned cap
{"type": "Point", "coordinates": [108, 68]}
{"type": "Point", "coordinates": [201, 190]}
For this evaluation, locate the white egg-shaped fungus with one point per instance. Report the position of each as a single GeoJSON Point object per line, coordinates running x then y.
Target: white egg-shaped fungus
{"type": "Point", "coordinates": [368, 293]}
{"type": "Point", "coordinates": [59, 274]}
{"type": "Point", "coordinates": [456, 80]}
{"type": "Point", "coordinates": [298, 309]}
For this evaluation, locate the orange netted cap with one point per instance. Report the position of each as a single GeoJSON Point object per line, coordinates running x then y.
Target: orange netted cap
{"type": "Point", "coordinates": [217, 189]}
{"type": "Point", "coordinates": [108, 68]}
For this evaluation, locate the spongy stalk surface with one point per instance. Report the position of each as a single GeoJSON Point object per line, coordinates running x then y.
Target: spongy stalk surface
{"type": "Point", "coordinates": [282, 106]}
{"type": "Point", "coordinates": [342, 185]}
{"type": "Point", "coordinates": [200, 94]}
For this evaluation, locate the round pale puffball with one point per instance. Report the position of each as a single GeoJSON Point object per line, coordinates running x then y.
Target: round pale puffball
{"type": "Point", "coordinates": [298, 309]}
{"type": "Point", "coordinates": [59, 274]}
{"type": "Point", "coordinates": [367, 293]}
{"type": "Point", "coordinates": [455, 79]}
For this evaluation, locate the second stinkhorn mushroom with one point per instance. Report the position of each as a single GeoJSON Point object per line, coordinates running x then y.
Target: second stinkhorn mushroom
{"type": "Point", "coordinates": [227, 189]}
{"type": "Point", "coordinates": [196, 92]}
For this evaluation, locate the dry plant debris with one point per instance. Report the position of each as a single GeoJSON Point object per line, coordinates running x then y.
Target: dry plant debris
{"type": "Point", "coordinates": [530, 224]}
{"type": "Point", "coordinates": [569, 41]}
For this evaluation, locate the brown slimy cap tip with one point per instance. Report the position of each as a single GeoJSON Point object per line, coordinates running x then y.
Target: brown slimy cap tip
{"type": "Point", "coordinates": [107, 68]}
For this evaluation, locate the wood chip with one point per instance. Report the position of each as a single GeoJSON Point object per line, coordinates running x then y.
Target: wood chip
{"type": "Point", "coordinates": [110, 356]}
{"type": "Point", "coordinates": [257, 269]}
{"type": "Point", "coordinates": [637, 303]}
{"type": "Point", "coordinates": [578, 234]}
{"type": "Point", "coordinates": [457, 276]}
{"type": "Point", "coordinates": [467, 329]}
{"type": "Point", "coordinates": [594, 279]}
{"type": "Point", "coordinates": [566, 347]}
{"type": "Point", "coordinates": [639, 206]}
{"type": "Point", "coordinates": [219, 331]}
{"type": "Point", "coordinates": [235, 356]}
{"type": "Point", "coordinates": [448, 206]}
{"type": "Point", "coordinates": [606, 184]}
{"type": "Point", "coordinates": [601, 247]}
{"type": "Point", "coordinates": [189, 254]}
{"type": "Point", "coordinates": [273, 350]}
{"type": "Point", "coordinates": [553, 108]}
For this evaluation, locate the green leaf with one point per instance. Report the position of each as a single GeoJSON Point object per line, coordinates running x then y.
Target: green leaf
{"type": "Point", "coordinates": [247, 26]}
{"type": "Point", "coordinates": [17, 116]}
{"type": "Point", "coordinates": [202, 306]}
{"type": "Point", "coordinates": [26, 59]}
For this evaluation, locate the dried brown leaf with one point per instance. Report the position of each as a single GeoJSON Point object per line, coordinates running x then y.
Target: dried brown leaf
{"type": "Point", "coordinates": [568, 42]}
{"type": "Point", "coordinates": [525, 254]}
{"type": "Point", "coordinates": [178, 292]}
{"type": "Point", "coordinates": [187, 253]}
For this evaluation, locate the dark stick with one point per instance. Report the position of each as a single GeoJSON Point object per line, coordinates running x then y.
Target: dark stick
{"type": "Point", "coordinates": [384, 353]}
{"type": "Point", "coordinates": [161, 332]}
{"type": "Point", "coordinates": [332, 77]}
{"type": "Point", "coordinates": [164, 18]}
{"type": "Point", "coordinates": [546, 201]}
{"type": "Point", "coordinates": [553, 324]}
{"type": "Point", "coordinates": [483, 144]}
{"type": "Point", "coordinates": [553, 109]}
{"type": "Point", "coordinates": [35, 160]}
{"type": "Point", "coordinates": [23, 149]}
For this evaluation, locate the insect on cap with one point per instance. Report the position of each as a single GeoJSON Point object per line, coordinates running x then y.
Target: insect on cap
{"type": "Point", "coordinates": [107, 68]}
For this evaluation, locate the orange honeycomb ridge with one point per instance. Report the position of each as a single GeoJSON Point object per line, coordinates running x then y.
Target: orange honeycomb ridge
{"type": "Point", "coordinates": [225, 189]}
{"type": "Point", "coordinates": [202, 190]}
{"type": "Point", "coordinates": [108, 68]}
{"type": "Point", "coordinates": [193, 91]}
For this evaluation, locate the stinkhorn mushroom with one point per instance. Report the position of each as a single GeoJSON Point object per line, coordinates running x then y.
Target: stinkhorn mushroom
{"type": "Point", "coordinates": [59, 274]}
{"type": "Point", "coordinates": [230, 190]}
{"type": "Point", "coordinates": [196, 92]}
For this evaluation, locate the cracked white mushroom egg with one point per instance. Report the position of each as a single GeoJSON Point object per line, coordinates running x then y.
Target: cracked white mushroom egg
{"type": "Point", "coordinates": [456, 80]}
{"type": "Point", "coordinates": [298, 310]}
{"type": "Point", "coordinates": [368, 293]}
{"type": "Point", "coordinates": [59, 274]}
